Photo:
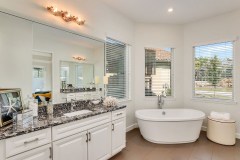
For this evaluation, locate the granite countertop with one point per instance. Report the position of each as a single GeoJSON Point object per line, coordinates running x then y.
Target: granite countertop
{"type": "Point", "coordinates": [43, 121]}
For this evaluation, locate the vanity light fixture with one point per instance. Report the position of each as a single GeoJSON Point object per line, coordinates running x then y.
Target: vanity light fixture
{"type": "Point", "coordinates": [66, 16]}
{"type": "Point", "coordinates": [79, 58]}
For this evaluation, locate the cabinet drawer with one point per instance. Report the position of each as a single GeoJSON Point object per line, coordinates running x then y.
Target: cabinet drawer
{"type": "Point", "coordinates": [41, 153]}
{"type": "Point", "coordinates": [118, 114]}
{"type": "Point", "coordinates": [28, 141]}
{"type": "Point", "coordinates": [69, 129]}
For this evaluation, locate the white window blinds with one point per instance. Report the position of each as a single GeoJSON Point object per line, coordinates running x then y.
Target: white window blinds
{"type": "Point", "coordinates": [214, 71]}
{"type": "Point", "coordinates": [158, 68]}
{"type": "Point", "coordinates": [117, 68]}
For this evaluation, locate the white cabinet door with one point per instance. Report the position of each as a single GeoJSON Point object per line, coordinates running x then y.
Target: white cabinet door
{"type": "Point", "coordinates": [99, 144]}
{"type": "Point", "coordinates": [118, 135]}
{"type": "Point", "coordinates": [71, 148]}
{"type": "Point", "coordinates": [41, 153]}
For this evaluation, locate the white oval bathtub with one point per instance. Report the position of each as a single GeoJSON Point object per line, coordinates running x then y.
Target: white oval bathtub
{"type": "Point", "coordinates": [170, 126]}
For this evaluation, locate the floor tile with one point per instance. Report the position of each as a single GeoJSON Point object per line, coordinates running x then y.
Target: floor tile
{"type": "Point", "coordinates": [203, 149]}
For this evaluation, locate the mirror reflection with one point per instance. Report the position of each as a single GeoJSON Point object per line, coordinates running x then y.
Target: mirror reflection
{"type": "Point", "coordinates": [42, 76]}
{"type": "Point", "coordinates": [76, 75]}
{"type": "Point", "coordinates": [43, 50]}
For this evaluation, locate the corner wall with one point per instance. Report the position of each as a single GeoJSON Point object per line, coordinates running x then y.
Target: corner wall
{"type": "Point", "coordinates": [158, 36]}
{"type": "Point", "coordinates": [216, 29]}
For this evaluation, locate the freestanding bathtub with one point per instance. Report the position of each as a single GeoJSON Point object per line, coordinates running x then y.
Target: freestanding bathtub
{"type": "Point", "coordinates": [170, 126]}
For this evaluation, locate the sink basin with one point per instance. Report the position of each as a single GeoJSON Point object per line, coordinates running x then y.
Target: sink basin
{"type": "Point", "coordinates": [77, 113]}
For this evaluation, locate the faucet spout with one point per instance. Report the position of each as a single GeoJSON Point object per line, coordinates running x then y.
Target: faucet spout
{"type": "Point", "coordinates": [73, 104]}
{"type": "Point", "coordinates": [161, 100]}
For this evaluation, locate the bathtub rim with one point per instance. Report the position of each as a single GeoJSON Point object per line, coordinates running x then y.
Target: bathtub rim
{"type": "Point", "coordinates": [144, 118]}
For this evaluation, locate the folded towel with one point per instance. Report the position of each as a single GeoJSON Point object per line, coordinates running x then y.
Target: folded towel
{"type": "Point", "coordinates": [220, 115]}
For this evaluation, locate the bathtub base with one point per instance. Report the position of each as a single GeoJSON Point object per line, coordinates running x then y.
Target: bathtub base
{"type": "Point", "coordinates": [165, 142]}
{"type": "Point", "coordinates": [170, 132]}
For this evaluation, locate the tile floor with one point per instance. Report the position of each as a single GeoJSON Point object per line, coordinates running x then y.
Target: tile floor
{"type": "Point", "coordinates": [203, 149]}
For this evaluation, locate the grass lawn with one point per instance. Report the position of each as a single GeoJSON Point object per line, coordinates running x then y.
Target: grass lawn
{"type": "Point", "coordinates": [213, 89]}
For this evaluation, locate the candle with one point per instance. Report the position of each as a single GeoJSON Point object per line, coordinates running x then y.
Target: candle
{"type": "Point", "coordinates": [105, 80]}
{"type": "Point", "coordinates": [96, 80]}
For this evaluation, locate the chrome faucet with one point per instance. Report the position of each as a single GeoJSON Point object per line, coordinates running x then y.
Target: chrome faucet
{"type": "Point", "coordinates": [161, 100]}
{"type": "Point", "coordinates": [73, 104]}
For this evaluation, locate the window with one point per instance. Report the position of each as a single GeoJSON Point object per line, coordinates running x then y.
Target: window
{"type": "Point", "coordinates": [214, 71]}
{"type": "Point", "coordinates": [158, 71]}
{"type": "Point", "coordinates": [117, 69]}
{"type": "Point", "coordinates": [38, 72]}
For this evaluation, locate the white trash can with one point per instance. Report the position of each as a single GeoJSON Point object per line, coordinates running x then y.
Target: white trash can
{"type": "Point", "coordinates": [221, 131]}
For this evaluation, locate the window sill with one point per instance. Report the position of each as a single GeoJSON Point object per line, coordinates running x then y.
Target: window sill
{"type": "Point", "coordinates": [216, 101]}
{"type": "Point", "coordinates": [155, 97]}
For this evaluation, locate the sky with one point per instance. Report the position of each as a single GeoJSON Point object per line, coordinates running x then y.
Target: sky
{"type": "Point", "coordinates": [221, 50]}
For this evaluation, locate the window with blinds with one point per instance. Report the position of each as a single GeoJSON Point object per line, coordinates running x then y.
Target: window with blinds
{"type": "Point", "coordinates": [117, 68]}
{"type": "Point", "coordinates": [158, 68]}
{"type": "Point", "coordinates": [214, 71]}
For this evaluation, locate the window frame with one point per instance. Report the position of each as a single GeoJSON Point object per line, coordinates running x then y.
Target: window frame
{"type": "Point", "coordinates": [128, 68]}
{"type": "Point", "coordinates": [172, 78]}
{"type": "Point", "coordinates": [215, 100]}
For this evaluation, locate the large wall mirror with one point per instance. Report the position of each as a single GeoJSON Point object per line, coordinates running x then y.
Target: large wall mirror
{"type": "Point", "coordinates": [38, 58]}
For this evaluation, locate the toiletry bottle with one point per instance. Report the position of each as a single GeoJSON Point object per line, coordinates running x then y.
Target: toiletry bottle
{"type": "Point", "coordinates": [33, 105]}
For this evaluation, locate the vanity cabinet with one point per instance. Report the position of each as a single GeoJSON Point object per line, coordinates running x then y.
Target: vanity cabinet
{"type": "Point", "coordinates": [71, 148]}
{"type": "Point", "coordinates": [94, 144]}
{"type": "Point", "coordinates": [98, 137]}
{"type": "Point", "coordinates": [118, 135]}
{"type": "Point", "coordinates": [99, 142]}
{"type": "Point", "coordinates": [41, 153]}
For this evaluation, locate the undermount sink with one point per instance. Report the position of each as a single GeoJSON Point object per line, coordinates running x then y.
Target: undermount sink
{"type": "Point", "coordinates": [77, 113]}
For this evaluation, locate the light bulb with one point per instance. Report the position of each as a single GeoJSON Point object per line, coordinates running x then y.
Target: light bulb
{"type": "Point", "coordinates": [170, 10]}
{"type": "Point", "coordinates": [68, 15]}
{"type": "Point", "coordinates": [55, 10]}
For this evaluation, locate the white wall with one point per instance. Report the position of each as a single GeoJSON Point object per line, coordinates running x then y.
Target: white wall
{"type": "Point", "coordinates": [101, 21]}
{"type": "Point", "coordinates": [16, 54]}
{"type": "Point", "coordinates": [217, 29]}
{"type": "Point", "coordinates": [158, 36]}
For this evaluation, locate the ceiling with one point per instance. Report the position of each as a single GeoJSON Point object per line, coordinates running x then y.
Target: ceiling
{"type": "Point", "coordinates": [185, 11]}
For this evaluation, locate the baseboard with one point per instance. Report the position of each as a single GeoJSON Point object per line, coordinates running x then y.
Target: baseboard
{"type": "Point", "coordinates": [204, 128]}
{"type": "Point", "coordinates": [238, 135]}
{"type": "Point", "coordinates": [131, 127]}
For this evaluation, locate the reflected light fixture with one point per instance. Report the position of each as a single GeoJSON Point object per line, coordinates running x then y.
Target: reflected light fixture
{"type": "Point", "coordinates": [79, 58]}
{"type": "Point", "coordinates": [170, 10]}
{"type": "Point", "coordinates": [66, 16]}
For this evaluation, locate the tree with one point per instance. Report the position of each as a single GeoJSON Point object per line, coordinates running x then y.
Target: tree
{"type": "Point", "coordinates": [200, 65]}
{"type": "Point", "coordinates": [214, 71]}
